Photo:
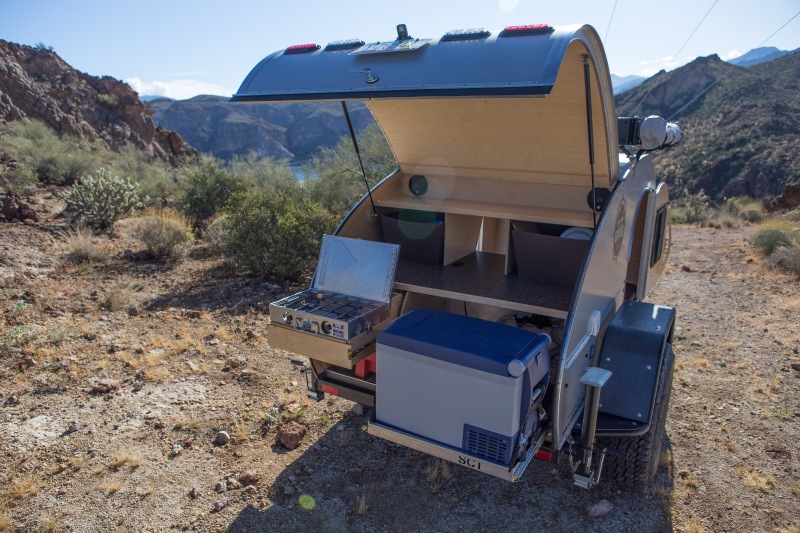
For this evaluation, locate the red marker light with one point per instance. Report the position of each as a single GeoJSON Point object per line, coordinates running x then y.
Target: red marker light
{"type": "Point", "coordinates": [527, 29]}
{"type": "Point", "coordinates": [302, 48]}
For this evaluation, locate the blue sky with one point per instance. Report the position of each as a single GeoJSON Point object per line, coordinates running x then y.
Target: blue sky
{"type": "Point", "coordinates": [182, 48]}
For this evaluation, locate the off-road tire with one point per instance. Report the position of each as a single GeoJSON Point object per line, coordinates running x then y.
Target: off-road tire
{"type": "Point", "coordinates": [644, 452]}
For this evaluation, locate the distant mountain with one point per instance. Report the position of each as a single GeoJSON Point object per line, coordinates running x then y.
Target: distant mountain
{"type": "Point", "coordinates": [624, 83]}
{"type": "Point", "coordinates": [37, 83]}
{"type": "Point", "coordinates": [214, 125]}
{"type": "Point", "coordinates": [150, 97]}
{"type": "Point", "coordinates": [742, 126]}
{"type": "Point", "coordinates": [760, 55]}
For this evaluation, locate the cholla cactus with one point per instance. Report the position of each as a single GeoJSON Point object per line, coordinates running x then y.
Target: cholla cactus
{"type": "Point", "coordinates": [103, 199]}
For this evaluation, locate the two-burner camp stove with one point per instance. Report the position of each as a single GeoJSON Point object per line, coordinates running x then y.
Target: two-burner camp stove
{"type": "Point", "coordinates": [329, 313]}
{"type": "Point", "coordinates": [350, 295]}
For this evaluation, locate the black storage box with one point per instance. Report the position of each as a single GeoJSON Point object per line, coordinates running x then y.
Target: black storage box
{"type": "Point", "coordinates": [420, 234]}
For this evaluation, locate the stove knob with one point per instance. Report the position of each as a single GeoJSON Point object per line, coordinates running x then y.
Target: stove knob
{"type": "Point", "coordinates": [287, 318]}
{"type": "Point", "coordinates": [357, 329]}
{"type": "Point", "coordinates": [326, 328]}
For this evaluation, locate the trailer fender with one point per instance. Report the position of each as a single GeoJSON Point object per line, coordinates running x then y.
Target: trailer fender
{"type": "Point", "coordinates": [633, 350]}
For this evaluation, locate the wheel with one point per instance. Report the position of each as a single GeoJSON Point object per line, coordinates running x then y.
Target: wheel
{"type": "Point", "coordinates": [643, 451]}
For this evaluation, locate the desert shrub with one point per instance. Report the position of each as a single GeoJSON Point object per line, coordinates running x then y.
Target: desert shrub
{"type": "Point", "coordinates": [165, 233]}
{"type": "Point", "coordinates": [216, 234]}
{"type": "Point", "coordinates": [117, 298]}
{"type": "Point", "coordinates": [786, 258]}
{"type": "Point", "coordinates": [108, 100]}
{"type": "Point", "coordinates": [743, 208]}
{"type": "Point", "coordinates": [208, 189]}
{"type": "Point", "coordinates": [18, 336]}
{"type": "Point", "coordinates": [156, 178]}
{"type": "Point", "coordinates": [333, 176]}
{"type": "Point", "coordinates": [40, 154]}
{"type": "Point", "coordinates": [103, 199]}
{"type": "Point", "coordinates": [80, 244]}
{"type": "Point", "coordinates": [770, 237]}
{"type": "Point", "coordinates": [693, 209]}
{"type": "Point", "coordinates": [63, 167]}
{"type": "Point", "coordinates": [264, 173]}
{"type": "Point", "coordinates": [269, 234]}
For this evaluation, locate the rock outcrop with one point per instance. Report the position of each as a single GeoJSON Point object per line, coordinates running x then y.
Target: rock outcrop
{"type": "Point", "coordinates": [15, 210]}
{"type": "Point", "coordinates": [37, 83]}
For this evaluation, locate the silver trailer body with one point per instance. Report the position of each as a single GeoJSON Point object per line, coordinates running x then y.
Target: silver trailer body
{"type": "Point", "coordinates": [510, 138]}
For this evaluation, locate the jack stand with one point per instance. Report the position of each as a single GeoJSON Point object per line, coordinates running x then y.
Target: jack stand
{"type": "Point", "coordinates": [594, 378]}
{"type": "Point", "coordinates": [313, 392]}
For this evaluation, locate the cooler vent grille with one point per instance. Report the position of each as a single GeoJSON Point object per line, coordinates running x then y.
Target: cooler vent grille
{"type": "Point", "coordinates": [486, 444]}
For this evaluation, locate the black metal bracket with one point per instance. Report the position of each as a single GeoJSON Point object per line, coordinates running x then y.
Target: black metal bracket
{"type": "Point", "coordinates": [311, 383]}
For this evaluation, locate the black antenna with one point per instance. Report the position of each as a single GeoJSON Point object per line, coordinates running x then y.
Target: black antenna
{"type": "Point", "coordinates": [358, 154]}
{"type": "Point", "coordinates": [588, 87]}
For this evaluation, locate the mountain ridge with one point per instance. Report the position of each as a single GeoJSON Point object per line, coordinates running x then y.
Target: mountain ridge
{"type": "Point", "coordinates": [741, 125]}
{"type": "Point", "coordinates": [36, 83]}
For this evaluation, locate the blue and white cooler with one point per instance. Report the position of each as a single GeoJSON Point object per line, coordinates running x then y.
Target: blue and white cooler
{"type": "Point", "coordinates": [462, 382]}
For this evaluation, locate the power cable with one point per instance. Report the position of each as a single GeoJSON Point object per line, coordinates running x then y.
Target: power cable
{"type": "Point", "coordinates": [706, 89]}
{"type": "Point", "coordinates": [779, 29]}
{"type": "Point", "coordinates": [614, 10]}
{"type": "Point", "coordinates": [679, 51]}
{"type": "Point", "coordinates": [694, 30]}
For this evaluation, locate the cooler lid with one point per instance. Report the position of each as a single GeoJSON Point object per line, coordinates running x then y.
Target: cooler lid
{"type": "Point", "coordinates": [466, 341]}
{"type": "Point", "coordinates": [356, 268]}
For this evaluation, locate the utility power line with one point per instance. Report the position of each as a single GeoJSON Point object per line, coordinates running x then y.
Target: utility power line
{"type": "Point", "coordinates": [694, 30]}
{"type": "Point", "coordinates": [675, 56]}
{"type": "Point", "coordinates": [605, 39]}
{"type": "Point", "coordinates": [706, 89]}
{"type": "Point", "coordinates": [779, 29]}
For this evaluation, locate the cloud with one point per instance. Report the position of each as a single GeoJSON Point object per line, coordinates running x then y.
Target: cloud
{"type": "Point", "coordinates": [733, 54]}
{"type": "Point", "coordinates": [178, 89]}
{"type": "Point", "coordinates": [650, 67]}
{"type": "Point", "coordinates": [508, 5]}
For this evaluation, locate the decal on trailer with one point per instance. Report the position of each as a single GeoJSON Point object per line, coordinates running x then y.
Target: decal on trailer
{"type": "Point", "coordinates": [469, 461]}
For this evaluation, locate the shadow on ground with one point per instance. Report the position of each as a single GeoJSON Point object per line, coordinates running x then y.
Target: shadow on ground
{"type": "Point", "coordinates": [351, 481]}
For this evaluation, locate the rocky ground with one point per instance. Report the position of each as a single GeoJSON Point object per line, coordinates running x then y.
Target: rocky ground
{"type": "Point", "coordinates": [138, 396]}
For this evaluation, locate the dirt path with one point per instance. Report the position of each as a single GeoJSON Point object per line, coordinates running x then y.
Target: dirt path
{"type": "Point", "coordinates": [191, 359]}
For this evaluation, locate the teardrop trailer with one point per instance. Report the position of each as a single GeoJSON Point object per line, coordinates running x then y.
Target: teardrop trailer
{"type": "Point", "coordinates": [488, 297]}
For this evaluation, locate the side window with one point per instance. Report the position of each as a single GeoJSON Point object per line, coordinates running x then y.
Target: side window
{"type": "Point", "coordinates": [659, 235]}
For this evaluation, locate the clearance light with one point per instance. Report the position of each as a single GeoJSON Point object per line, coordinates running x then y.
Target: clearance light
{"type": "Point", "coordinates": [528, 29]}
{"type": "Point", "coordinates": [301, 48]}
{"type": "Point", "coordinates": [466, 35]}
{"type": "Point", "coordinates": [344, 45]}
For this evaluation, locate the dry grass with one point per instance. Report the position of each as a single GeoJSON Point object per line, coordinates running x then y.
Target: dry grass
{"type": "Point", "coordinates": [5, 523]}
{"type": "Point", "coordinates": [438, 474]}
{"type": "Point", "coordinates": [666, 461]}
{"type": "Point", "coordinates": [121, 459]}
{"type": "Point", "coordinates": [49, 524]}
{"type": "Point", "coordinates": [81, 246]}
{"type": "Point", "coordinates": [76, 463]}
{"type": "Point", "coordinates": [110, 487]}
{"type": "Point", "coordinates": [118, 297]}
{"type": "Point", "coordinates": [20, 489]}
{"type": "Point", "coordinates": [361, 504]}
{"type": "Point", "coordinates": [757, 481]}
{"type": "Point", "coordinates": [664, 496]}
